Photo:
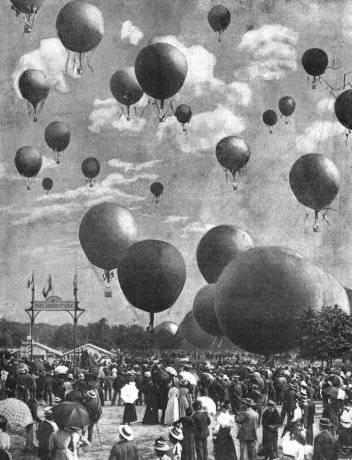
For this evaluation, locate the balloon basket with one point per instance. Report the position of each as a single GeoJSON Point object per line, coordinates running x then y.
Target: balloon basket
{"type": "Point", "coordinates": [28, 187]}
{"type": "Point", "coordinates": [107, 291]}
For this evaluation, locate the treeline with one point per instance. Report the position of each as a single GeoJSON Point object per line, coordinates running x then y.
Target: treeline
{"type": "Point", "coordinates": [100, 333]}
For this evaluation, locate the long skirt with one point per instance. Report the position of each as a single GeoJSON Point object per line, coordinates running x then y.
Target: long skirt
{"type": "Point", "coordinates": [129, 414]}
{"type": "Point", "coordinates": [224, 447]}
{"type": "Point", "coordinates": [182, 405]}
{"type": "Point", "coordinates": [188, 446]}
{"type": "Point", "coordinates": [172, 411]}
{"type": "Point", "coordinates": [151, 414]}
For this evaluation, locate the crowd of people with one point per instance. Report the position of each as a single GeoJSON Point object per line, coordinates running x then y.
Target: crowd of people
{"type": "Point", "coordinates": [199, 402]}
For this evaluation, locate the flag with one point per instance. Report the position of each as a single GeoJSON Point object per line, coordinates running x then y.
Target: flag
{"type": "Point", "coordinates": [30, 281]}
{"type": "Point", "coordinates": [48, 287]}
{"type": "Point", "coordinates": [75, 283]}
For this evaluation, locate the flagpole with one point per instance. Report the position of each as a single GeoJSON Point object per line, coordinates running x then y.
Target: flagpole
{"type": "Point", "coordinates": [75, 319]}
{"type": "Point", "coordinates": [32, 315]}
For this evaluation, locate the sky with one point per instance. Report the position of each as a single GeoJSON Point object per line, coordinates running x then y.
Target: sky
{"type": "Point", "coordinates": [229, 85]}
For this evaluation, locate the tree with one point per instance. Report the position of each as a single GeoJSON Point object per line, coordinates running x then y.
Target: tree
{"type": "Point", "coordinates": [325, 334]}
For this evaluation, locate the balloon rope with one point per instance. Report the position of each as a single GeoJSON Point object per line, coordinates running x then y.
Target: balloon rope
{"type": "Point", "coordinates": [316, 218]}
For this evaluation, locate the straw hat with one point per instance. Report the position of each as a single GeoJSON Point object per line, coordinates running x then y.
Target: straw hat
{"type": "Point", "coordinates": [81, 376]}
{"type": "Point", "coordinates": [345, 420]}
{"type": "Point", "coordinates": [57, 400]}
{"type": "Point", "coordinates": [161, 444]}
{"type": "Point", "coordinates": [91, 394]}
{"type": "Point", "coordinates": [176, 432]}
{"type": "Point", "coordinates": [126, 432]}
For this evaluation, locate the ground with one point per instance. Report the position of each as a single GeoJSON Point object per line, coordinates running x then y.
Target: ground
{"type": "Point", "coordinates": [108, 430]}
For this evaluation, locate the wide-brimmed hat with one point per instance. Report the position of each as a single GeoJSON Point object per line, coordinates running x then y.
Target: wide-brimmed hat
{"type": "Point", "coordinates": [345, 420]}
{"type": "Point", "coordinates": [248, 402]}
{"type": "Point", "coordinates": [161, 444]}
{"type": "Point", "coordinates": [91, 394]}
{"type": "Point", "coordinates": [22, 370]}
{"type": "Point", "coordinates": [270, 403]}
{"type": "Point", "coordinates": [148, 374]}
{"type": "Point", "coordinates": [48, 411]}
{"type": "Point", "coordinates": [57, 400]}
{"type": "Point", "coordinates": [176, 432]}
{"type": "Point", "coordinates": [126, 432]}
{"type": "Point", "coordinates": [303, 384]}
{"type": "Point", "coordinates": [325, 423]}
{"type": "Point", "coordinates": [81, 376]}
{"type": "Point", "coordinates": [70, 376]}
{"type": "Point", "coordinates": [293, 386]}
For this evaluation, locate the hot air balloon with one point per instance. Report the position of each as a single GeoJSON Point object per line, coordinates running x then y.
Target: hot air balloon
{"type": "Point", "coordinates": [270, 119]}
{"type": "Point", "coordinates": [80, 27]}
{"type": "Point", "coordinates": [203, 311]}
{"type": "Point", "coordinates": [233, 154]}
{"type": "Point", "coordinates": [157, 189]}
{"type": "Point", "coordinates": [47, 184]}
{"type": "Point", "coordinates": [152, 274]}
{"type": "Point", "coordinates": [125, 88]}
{"type": "Point", "coordinates": [35, 88]}
{"type": "Point", "coordinates": [218, 247]}
{"type": "Point", "coordinates": [28, 162]}
{"type": "Point", "coordinates": [315, 62]}
{"type": "Point", "coordinates": [161, 70]}
{"type": "Point", "coordinates": [106, 232]}
{"type": "Point", "coordinates": [193, 333]}
{"type": "Point", "coordinates": [287, 106]}
{"type": "Point", "coordinates": [90, 168]}
{"type": "Point", "coordinates": [315, 182]}
{"type": "Point", "coordinates": [167, 326]}
{"type": "Point", "coordinates": [29, 9]}
{"type": "Point", "coordinates": [57, 136]}
{"type": "Point", "coordinates": [343, 110]}
{"type": "Point", "coordinates": [183, 114]}
{"type": "Point", "coordinates": [260, 295]}
{"type": "Point", "coordinates": [219, 18]}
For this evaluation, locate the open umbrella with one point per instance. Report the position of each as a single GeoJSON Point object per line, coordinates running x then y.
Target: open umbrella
{"type": "Point", "coordinates": [191, 378]}
{"type": "Point", "coordinates": [129, 393]}
{"type": "Point", "coordinates": [16, 412]}
{"type": "Point", "coordinates": [69, 414]}
{"type": "Point", "coordinates": [171, 371]}
{"type": "Point", "coordinates": [208, 404]}
{"type": "Point", "coordinates": [37, 366]}
{"type": "Point", "coordinates": [61, 369]}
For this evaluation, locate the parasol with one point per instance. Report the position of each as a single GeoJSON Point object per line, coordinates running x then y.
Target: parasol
{"type": "Point", "coordinates": [129, 393]}
{"type": "Point", "coordinates": [191, 378]}
{"type": "Point", "coordinates": [208, 404]}
{"type": "Point", "coordinates": [171, 371]}
{"type": "Point", "coordinates": [61, 369]}
{"type": "Point", "coordinates": [71, 414]}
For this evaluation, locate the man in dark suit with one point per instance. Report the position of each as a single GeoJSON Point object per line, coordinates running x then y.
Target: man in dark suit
{"type": "Point", "coordinates": [124, 449]}
{"type": "Point", "coordinates": [325, 445]}
{"type": "Point", "coordinates": [45, 429]}
{"type": "Point", "coordinates": [201, 422]}
{"type": "Point", "coordinates": [289, 403]}
{"type": "Point", "coordinates": [247, 432]}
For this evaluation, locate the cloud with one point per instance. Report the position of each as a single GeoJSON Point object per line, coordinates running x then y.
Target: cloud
{"type": "Point", "coordinates": [200, 75]}
{"type": "Point", "coordinates": [271, 50]}
{"type": "Point", "coordinates": [205, 130]}
{"type": "Point", "coordinates": [131, 33]}
{"type": "Point", "coordinates": [48, 163]}
{"type": "Point", "coordinates": [175, 219]}
{"type": "Point", "coordinates": [107, 114]}
{"type": "Point", "coordinates": [195, 227]}
{"type": "Point", "coordinates": [325, 105]}
{"type": "Point", "coordinates": [50, 58]}
{"type": "Point", "coordinates": [319, 131]}
{"type": "Point", "coordinates": [132, 167]}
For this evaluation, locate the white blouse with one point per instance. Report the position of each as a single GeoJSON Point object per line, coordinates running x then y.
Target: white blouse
{"type": "Point", "coordinates": [292, 447]}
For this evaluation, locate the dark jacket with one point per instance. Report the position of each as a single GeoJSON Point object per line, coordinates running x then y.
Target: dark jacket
{"type": "Point", "coordinates": [201, 422]}
{"type": "Point", "coordinates": [124, 450]}
{"type": "Point", "coordinates": [248, 421]}
{"type": "Point", "coordinates": [325, 447]}
{"type": "Point", "coordinates": [45, 429]}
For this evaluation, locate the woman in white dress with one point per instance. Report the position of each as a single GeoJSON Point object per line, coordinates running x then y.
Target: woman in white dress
{"type": "Point", "coordinates": [172, 410]}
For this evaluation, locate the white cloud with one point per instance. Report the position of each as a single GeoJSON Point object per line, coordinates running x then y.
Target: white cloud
{"type": "Point", "coordinates": [195, 227]}
{"type": "Point", "coordinates": [48, 163]}
{"type": "Point", "coordinates": [175, 219]}
{"type": "Point", "coordinates": [46, 212]}
{"type": "Point", "coordinates": [107, 114]}
{"type": "Point", "coordinates": [272, 52]}
{"type": "Point", "coordinates": [131, 33]}
{"type": "Point", "coordinates": [205, 130]}
{"type": "Point", "coordinates": [325, 105]}
{"type": "Point", "coordinates": [132, 167]}
{"type": "Point", "coordinates": [319, 131]}
{"type": "Point", "coordinates": [50, 58]}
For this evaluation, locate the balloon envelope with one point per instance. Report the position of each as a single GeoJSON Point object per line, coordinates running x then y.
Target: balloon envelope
{"type": "Point", "coordinates": [161, 70]}
{"type": "Point", "coordinates": [90, 167]}
{"type": "Point", "coordinates": [34, 86]}
{"type": "Point", "coordinates": [47, 183]}
{"type": "Point", "coordinates": [232, 153]}
{"type": "Point", "coordinates": [287, 106]}
{"type": "Point", "coordinates": [204, 313]}
{"type": "Point", "coordinates": [183, 113]}
{"type": "Point", "coordinates": [105, 233]}
{"type": "Point", "coordinates": [27, 6]}
{"type": "Point", "coordinates": [218, 247]}
{"type": "Point", "coordinates": [125, 87]}
{"type": "Point", "coordinates": [28, 161]}
{"type": "Point", "coordinates": [315, 181]}
{"type": "Point", "coordinates": [193, 333]}
{"type": "Point", "coordinates": [80, 26]}
{"type": "Point", "coordinates": [343, 108]}
{"type": "Point", "coordinates": [315, 61]}
{"type": "Point", "coordinates": [219, 18]}
{"type": "Point", "coordinates": [57, 136]}
{"type": "Point", "coordinates": [270, 117]}
{"type": "Point", "coordinates": [152, 274]}
{"type": "Point", "coordinates": [167, 326]}
{"type": "Point", "coordinates": [260, 293]}
{"type": "Point", "coordinates": [157, 189]}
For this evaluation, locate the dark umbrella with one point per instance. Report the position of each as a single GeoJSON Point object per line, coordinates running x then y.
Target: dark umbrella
{"type": "Point", "coordinates": [71, 414]}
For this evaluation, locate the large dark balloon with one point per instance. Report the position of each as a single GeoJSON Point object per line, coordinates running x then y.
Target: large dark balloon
{"type": "Point", "coordinates": [287, 106]}
{"type": "Point", "coordinates": [193, 333]}
{"type": "Point", "coordinates": [315, 181]}
{"type": "Point", "coordinates": [34, 87]}
{"type": "Point", "coordinates": [28, 161]}
{"type": "Point", "coordinates": [125, 88]}
{"type": "Point", "coordinates": [219, 18]}
{"type": "Point", "coordinates": [270, 118]}
{"type": "Point", "coordinates": [233, 154]}
{"type": "Point", "coordinates": [157, 189]}
{"type": "Point", "coordinates": [183, 114]}
{"type": "Point", "coordinates": [90, 168]}
{"type": "Point", "coordinates": [204, 313]}
{"type": "Point", "coordinates": [167, 326]}
{"type": "Point", "coordinates": [260, 294]}
{"type": "Point", "coordinates": [47, 183]}
{"type": "Point", "coordinates": [315, 61]}
{"type": "Point", "coordinates": [105, 233]}
{"type": "Point", "coordinates": [80, 26]}
{"type": "Point", "coordinates": [152, 275]}
{"type": "Point", "coordinates": [27, 6]}
{"type": "Point", "coordinates": [218, 247]}
{"type": "Point", "coordinates": [343, 108]}
{"type": "Point", "coordinates": [161, 70]}
{"type": "Point", "coordinates": [57, 135]}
